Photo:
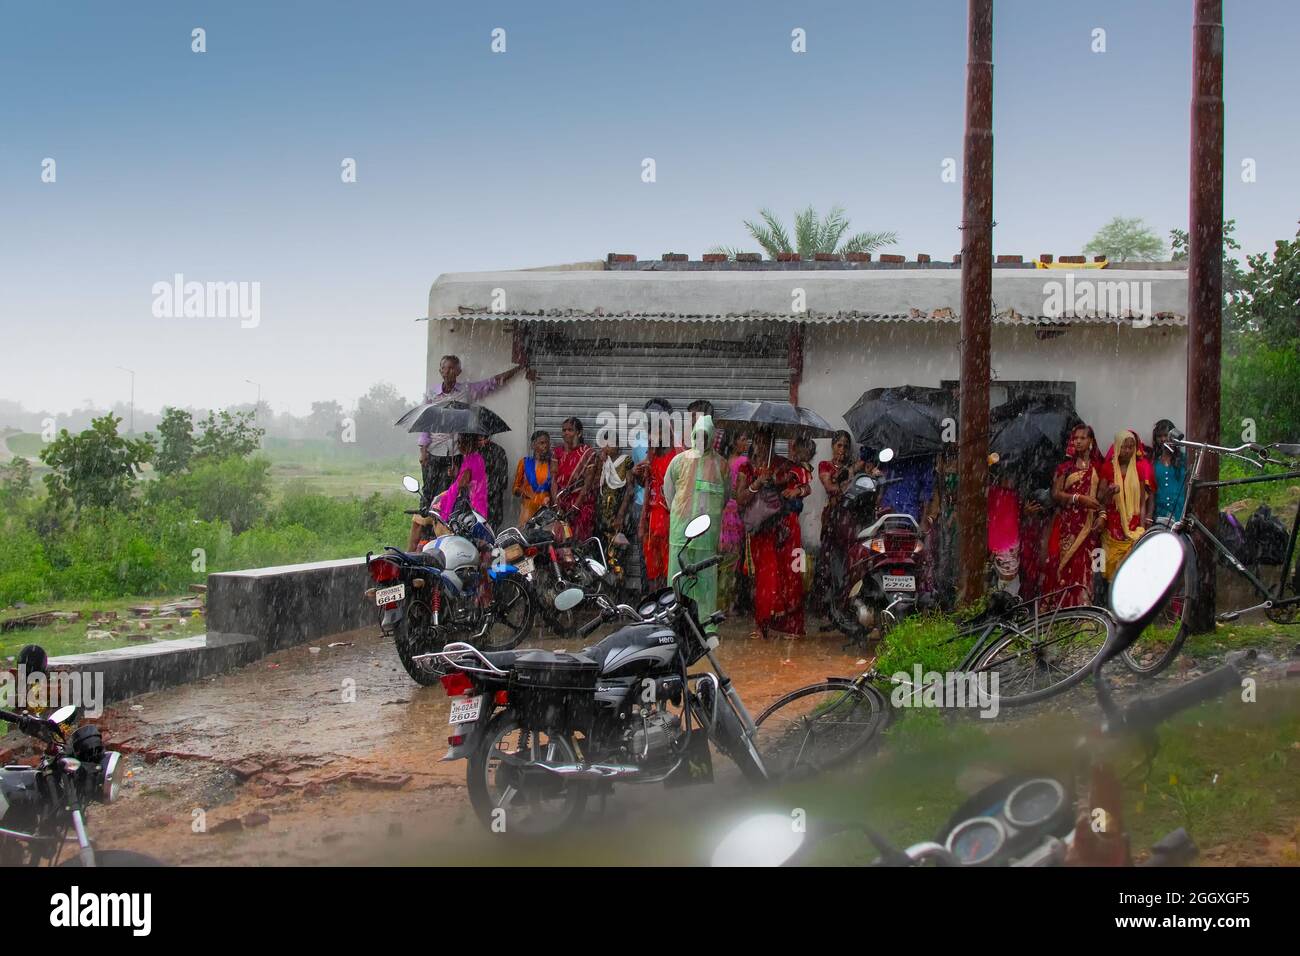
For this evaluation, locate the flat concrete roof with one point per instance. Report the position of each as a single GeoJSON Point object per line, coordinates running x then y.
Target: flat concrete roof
{"type": "Point", "coordinates": [1020, 296]}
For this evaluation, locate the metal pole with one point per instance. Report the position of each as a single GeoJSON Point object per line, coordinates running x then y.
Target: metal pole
{"type": "Point", "coordinates": [976, 300]}
{"type": "Point", "coordinates": [1205, 276]}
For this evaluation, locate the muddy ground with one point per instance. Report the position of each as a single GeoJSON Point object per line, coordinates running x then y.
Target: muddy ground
{"type": "Point", "coordinates": [330, 755]}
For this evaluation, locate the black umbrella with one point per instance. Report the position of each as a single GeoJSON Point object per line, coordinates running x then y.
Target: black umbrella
{"type": "Point", "coordinates": [781, 418]}
{"type": "Point", "coordinates": [1030, 434]}
{"type": "Point", "coordinates": [453, 417]}
{"type": "Point", "coordinates": [906, 418]}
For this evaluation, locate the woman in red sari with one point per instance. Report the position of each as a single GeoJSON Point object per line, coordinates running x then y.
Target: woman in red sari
{"type": "Point", "coordinates": [574, 483]}
{"type": "Point", "coordinates": [775, 547]}
{"type": "Point", "coordinates": [1075, 487]}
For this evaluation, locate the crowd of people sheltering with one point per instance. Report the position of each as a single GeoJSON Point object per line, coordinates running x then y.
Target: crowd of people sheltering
{"type": "Point", "coordinates": [1055, 528]}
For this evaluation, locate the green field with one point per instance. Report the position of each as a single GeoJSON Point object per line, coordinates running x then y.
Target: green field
{"type": "Point", "coordinates": [70, 637]}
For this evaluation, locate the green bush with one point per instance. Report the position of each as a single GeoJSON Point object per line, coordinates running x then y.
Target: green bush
{"type": "Point", "coordinates": [234, 490]}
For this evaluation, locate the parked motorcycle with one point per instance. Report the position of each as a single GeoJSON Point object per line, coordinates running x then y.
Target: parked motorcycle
{"type": "Point", "coordinates": [41, 806]}
{"type": "Point", "coordinates": [1039, 820]}
{"type": "Point", "coordinates": [544, 730]}
{"type": "Point", "coordinates": [875, 581]}
{"type": "Point", "coordinates": [454, 587]}
{"type": "Point", "coordinates": [552, 560]}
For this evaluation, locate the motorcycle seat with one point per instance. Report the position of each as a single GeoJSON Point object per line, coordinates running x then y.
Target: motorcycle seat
{"type": "Point", "coordinates": [427, 559]}
{"type": "Point", "coordinates": [536, 657]}
{"type": "Point", "coordinates": [633, 635]}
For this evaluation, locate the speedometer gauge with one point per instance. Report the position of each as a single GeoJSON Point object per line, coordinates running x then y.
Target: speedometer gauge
{"type": "Point", "coordinates": [977, 840]}
{"type": "Point", "coordinates": [1034, 802]}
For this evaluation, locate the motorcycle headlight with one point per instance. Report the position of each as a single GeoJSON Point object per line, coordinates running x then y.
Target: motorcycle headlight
{"type": "Point", "coordinates": [113, 770]}
{"type": "Point", "coordinates": [87, 744]}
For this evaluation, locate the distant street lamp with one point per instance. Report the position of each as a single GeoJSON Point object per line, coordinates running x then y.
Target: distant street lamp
{"type": "Point", "coordinates": [131, 424]}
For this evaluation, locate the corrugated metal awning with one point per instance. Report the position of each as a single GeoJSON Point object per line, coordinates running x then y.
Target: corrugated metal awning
{"type": "Point", "coordinates": [1020, 297]}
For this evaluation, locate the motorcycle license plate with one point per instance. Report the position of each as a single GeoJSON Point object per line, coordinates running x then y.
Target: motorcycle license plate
{"type": "Point", "coordinates": [525, 566]}
{"type": "Point", "coordinates": [389, 595]}
{"type": "Point", "coordinates": [899, 582]}
{"type": "Point", "coordinates": [464, 710]}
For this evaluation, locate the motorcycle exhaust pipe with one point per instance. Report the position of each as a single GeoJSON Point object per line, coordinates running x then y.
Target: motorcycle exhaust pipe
{"type": "Point", "coordinates": [595, 771]}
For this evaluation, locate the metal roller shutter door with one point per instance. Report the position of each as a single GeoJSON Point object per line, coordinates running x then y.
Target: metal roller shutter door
{"type": "Point", "coordinates": [585, 379]}
{"type": "Point", "coordinates": [586, 382]}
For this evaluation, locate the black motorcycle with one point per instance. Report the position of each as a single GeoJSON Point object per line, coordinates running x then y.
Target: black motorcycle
{"type": "Point", "coordinates": [544, 730]}
{"type": "Point", "coordinates": [41, 807]}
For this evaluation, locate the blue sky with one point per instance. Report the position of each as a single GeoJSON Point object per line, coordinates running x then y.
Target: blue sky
{"type": "Point", "coordinates": [225, 165]}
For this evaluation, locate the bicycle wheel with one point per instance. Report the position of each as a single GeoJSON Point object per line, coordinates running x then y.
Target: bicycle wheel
{"type": "Point", "coordinates": [1159, 644]}
{"type": "Point", "coordinates": [819, 727]}
{"type": "Point", "coordinates": [1045, 655]}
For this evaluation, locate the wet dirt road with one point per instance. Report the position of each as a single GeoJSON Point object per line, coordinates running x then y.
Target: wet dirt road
{"type": "Point", "coordinates": [332, 757]}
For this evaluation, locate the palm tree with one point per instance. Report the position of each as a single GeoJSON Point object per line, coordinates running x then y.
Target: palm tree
{"type": "Point", "coordinates": [812, 234]}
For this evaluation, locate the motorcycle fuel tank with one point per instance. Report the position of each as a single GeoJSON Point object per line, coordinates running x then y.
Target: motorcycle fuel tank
{"type": "Point", "coordinates": [456, 551]}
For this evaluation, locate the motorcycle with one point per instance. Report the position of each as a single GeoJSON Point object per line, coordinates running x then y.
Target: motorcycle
{"type": "Point", "coordinates": [41, 806]}
{"type": "Point", "coordinates": [875, 582]}
{"type": "Point", "coordinates": [551, 560]}
{"type": "Point", "coordinates": [1039, 820]}
{"type": "Point", "coordinates": [543, 730]}
{"type": "Point", "coordinates": [456, 585]}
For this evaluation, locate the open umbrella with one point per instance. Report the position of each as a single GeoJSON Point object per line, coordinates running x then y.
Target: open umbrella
{"type": "Point", "coordinates": [1030, 434]}
{"type": "Point", "coordinates": [906, 418]}
{"type": "Point", "coordinates": [453, 417]}
{"type": "Point", "coordinates": [783, 419]}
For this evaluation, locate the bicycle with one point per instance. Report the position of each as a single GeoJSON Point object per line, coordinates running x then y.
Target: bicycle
{"type": "Point", "coordinates": [1156, 649]}
{"type": "Point", "coordinates": [1039, 653]}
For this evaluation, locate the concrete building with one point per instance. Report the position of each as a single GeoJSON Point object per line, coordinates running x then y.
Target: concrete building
{"type": "Point", "coordinates": [820, 333]}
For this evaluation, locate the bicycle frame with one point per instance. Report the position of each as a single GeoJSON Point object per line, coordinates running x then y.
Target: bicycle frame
{"type": "Point", "coordinates": [1187, 523]}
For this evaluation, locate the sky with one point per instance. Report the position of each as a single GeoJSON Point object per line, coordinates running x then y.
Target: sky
{"type": "Point", "coordinates": [226, 166]}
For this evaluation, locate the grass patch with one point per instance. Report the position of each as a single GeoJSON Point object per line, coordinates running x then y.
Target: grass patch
{"type": "Point", "coordinates": [70, 637]}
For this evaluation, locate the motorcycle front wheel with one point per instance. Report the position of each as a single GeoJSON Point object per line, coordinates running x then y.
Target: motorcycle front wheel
{"type": "Point", "coordinates": [511, 614]}
{"type": "Point", "coordinates": [512, 798]}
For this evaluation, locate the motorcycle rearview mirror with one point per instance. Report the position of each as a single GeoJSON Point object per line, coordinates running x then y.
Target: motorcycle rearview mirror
{"type": "Point", "coordinates": [697, 526]}
{"type": "Point", "coordinates": [568, 599]}
{"type": "Point", "coordinates": [1143, 583]}
{"type": "Point", "coordinates": [63, 715]}
{"type": "Point", "coordinates": [886, 456]}
{"type": "Point", "coordinates": [410, 484]}
{"type": "Point", "coordinates": [766, 839]}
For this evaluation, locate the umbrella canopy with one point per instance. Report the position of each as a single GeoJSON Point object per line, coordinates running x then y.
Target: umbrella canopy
{"type": "Point", "coordinates": [453, 417]}
{"type": "Point", "coordinates": [906, 418]}
{"type": "Point", "coordinates": [1030, 434]}
{"type": "Point", "coordinates": [783, 419]}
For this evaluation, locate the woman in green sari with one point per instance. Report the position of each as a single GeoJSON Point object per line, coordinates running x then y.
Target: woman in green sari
{"type": "Point", "coordinates": [695, 484]}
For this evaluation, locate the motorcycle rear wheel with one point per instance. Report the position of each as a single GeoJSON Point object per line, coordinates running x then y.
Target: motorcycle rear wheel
{"type": "Point", "coordinates": [412, 637]}
{"type": "Point", "coordinates": [519, 802]}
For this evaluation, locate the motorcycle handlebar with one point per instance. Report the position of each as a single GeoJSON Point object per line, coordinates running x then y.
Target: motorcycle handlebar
{"type": "Point", "coordinates": [1144, 714]}
{"type": "Point", "coordinates": [701, 565]}
{"type": "Point", "coordinates": [26, 723]}
{"type": "Point", "coordinates": [590, 626]}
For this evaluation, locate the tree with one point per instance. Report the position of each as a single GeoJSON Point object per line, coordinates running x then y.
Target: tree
{"type": "Point", "coordinates": [326, 419]}
{"type": "Point", "coordinates": [1234, 278]}
{"type": "Point", "coordinates": [812, 234]}
{"type": "Point", "coordinates": [1272, 293]}
{"type": "Point", "coordinates": [95, 467]}
{"type": "Point", "coordinates": [1126, 240]}
{"type": "Point", "coordinates": [376, 411]}
{"type": "Point", "coordinates": [175, 442]}
{"type": "Point", "coordinates": [16, 480]}
{"type": "Point", "coordinates": [228, 436]}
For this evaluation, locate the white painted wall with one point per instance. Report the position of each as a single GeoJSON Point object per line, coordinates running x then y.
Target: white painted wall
{"type": "Point", "coordinates": [1124, 377]}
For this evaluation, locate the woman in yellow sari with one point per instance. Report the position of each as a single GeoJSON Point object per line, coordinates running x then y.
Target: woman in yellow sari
{"type": "Point", "coordinates": [1129, 483]}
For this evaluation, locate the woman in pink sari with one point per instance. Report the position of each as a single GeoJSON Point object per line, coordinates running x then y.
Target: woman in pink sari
{"type": "Point", "coordinates": [1074, 532]}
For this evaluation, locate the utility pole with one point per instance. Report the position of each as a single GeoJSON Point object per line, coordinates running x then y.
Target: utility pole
{"type": "Point", "coordinates": [130, 428]}
{"type": "Point", "coordinates": [1205, 277]}
{"type": "Point", "coordinates": [976, 300]}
